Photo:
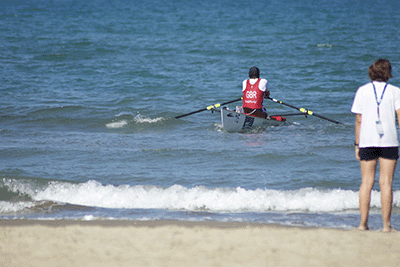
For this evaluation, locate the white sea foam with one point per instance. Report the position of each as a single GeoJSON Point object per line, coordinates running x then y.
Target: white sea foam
{"type": "Point", "coordinates": [178, 197]}
{"type": "Point", "coordinates": [118, 124]}
{"type": "Point", "coordinates": [89, 217]}
{"type": "Point", "coordinates": [137, 119]}
{"type": "Point", "coordinates": [141, 119]}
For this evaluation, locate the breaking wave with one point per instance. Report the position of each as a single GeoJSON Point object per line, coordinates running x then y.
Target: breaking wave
{"type": "Point", "coordinates": [177, 197]}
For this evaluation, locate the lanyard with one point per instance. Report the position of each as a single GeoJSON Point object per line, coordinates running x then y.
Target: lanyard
{"type": "Point", "coordinates": [378, 102]}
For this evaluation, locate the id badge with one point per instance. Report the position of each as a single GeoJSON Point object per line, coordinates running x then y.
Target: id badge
{"type": "Point", "coordinates": [379, 128]}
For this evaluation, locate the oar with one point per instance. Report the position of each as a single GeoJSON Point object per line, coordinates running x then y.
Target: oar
{"type": "Point", "coordinates": [208, 108]}
{"type": "Point", "coordinates": [305, 111]}
{"type": "Point", "coordinates": [291, 114]}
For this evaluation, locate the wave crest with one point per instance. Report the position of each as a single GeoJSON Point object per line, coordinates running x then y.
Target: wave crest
{"type": "Point", "coordinates": [177, 197]}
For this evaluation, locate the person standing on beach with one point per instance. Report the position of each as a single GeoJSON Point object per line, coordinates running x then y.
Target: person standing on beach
{"type": "Point", "coordinates": [254, 91]}
{"type": "Point", "coordinates": [376, 105]}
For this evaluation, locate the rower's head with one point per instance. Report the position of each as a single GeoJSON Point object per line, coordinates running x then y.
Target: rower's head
{"type": "Point", "coordinates": [381, 70]}
{"type": "Point", "coordinates": [254, 73]}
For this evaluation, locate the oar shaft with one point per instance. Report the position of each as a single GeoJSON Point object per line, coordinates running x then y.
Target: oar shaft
{"type": "Point", "coordinates": [305, 111]}
{"type": "Point", "coordinates": [191, 113]}
{"type": "Point", "coordinates": [325, 118]}
{"type": "Point", "coordinates": [208, 108]}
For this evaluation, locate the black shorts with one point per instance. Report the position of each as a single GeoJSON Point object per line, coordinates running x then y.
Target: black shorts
{"type": "Point", "coordinates": [370, 153]}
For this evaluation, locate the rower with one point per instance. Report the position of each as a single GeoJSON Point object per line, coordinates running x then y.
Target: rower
{"type": "Point", "coordinates": [254, 91]}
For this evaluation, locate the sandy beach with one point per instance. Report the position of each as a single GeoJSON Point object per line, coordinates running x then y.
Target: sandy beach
{"type": "Point", "coordinates": [170, 243]}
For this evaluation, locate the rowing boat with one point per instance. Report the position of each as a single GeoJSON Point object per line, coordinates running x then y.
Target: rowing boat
{"type": "Point", "coordinates": [233, 121]}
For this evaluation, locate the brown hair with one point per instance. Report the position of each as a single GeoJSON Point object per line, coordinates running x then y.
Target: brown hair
{"type": "Point", "coordinates": [381, 70]}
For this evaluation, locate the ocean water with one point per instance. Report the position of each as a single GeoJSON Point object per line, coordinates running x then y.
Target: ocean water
{"type": "Point", "coordinates": [90, 90]}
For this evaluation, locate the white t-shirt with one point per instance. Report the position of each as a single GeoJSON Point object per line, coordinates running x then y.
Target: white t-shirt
{"type": "Point", "coordinates": [365, 104]}
{"type": "Point", "coordinates": [263, 85]}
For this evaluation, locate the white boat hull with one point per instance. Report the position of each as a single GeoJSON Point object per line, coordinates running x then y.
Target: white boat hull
{"type": "Point", "coordinates": [239, 122]}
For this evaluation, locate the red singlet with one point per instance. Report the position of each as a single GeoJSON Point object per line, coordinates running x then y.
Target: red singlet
{"type": "Point", "coordinates": [252, 96]}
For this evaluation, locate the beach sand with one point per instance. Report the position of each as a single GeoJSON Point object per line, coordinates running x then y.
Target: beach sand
{"type": "Point", "coordinates": [170, 243]}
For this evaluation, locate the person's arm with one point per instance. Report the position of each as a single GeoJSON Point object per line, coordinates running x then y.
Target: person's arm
{"type": "Point", "coordinates": [357, 134]}
{"type": "Point", "coordinates": [266, 91]}
{"type": "Point", "coordinates": [398, 116]}
{"type": "Point", "coordinates": [244, 85]}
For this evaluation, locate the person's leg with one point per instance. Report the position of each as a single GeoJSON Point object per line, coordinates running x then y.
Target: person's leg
{"type": "Point", "coordinates": [368, 169]}
{"type": "Point", "coordinates": [387, 168]}
{"type": "Point", "coordinates": [255, 112]}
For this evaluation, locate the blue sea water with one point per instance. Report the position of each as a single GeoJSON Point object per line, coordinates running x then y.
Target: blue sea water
{"type": "Point", "coordinates": [89, 92]}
